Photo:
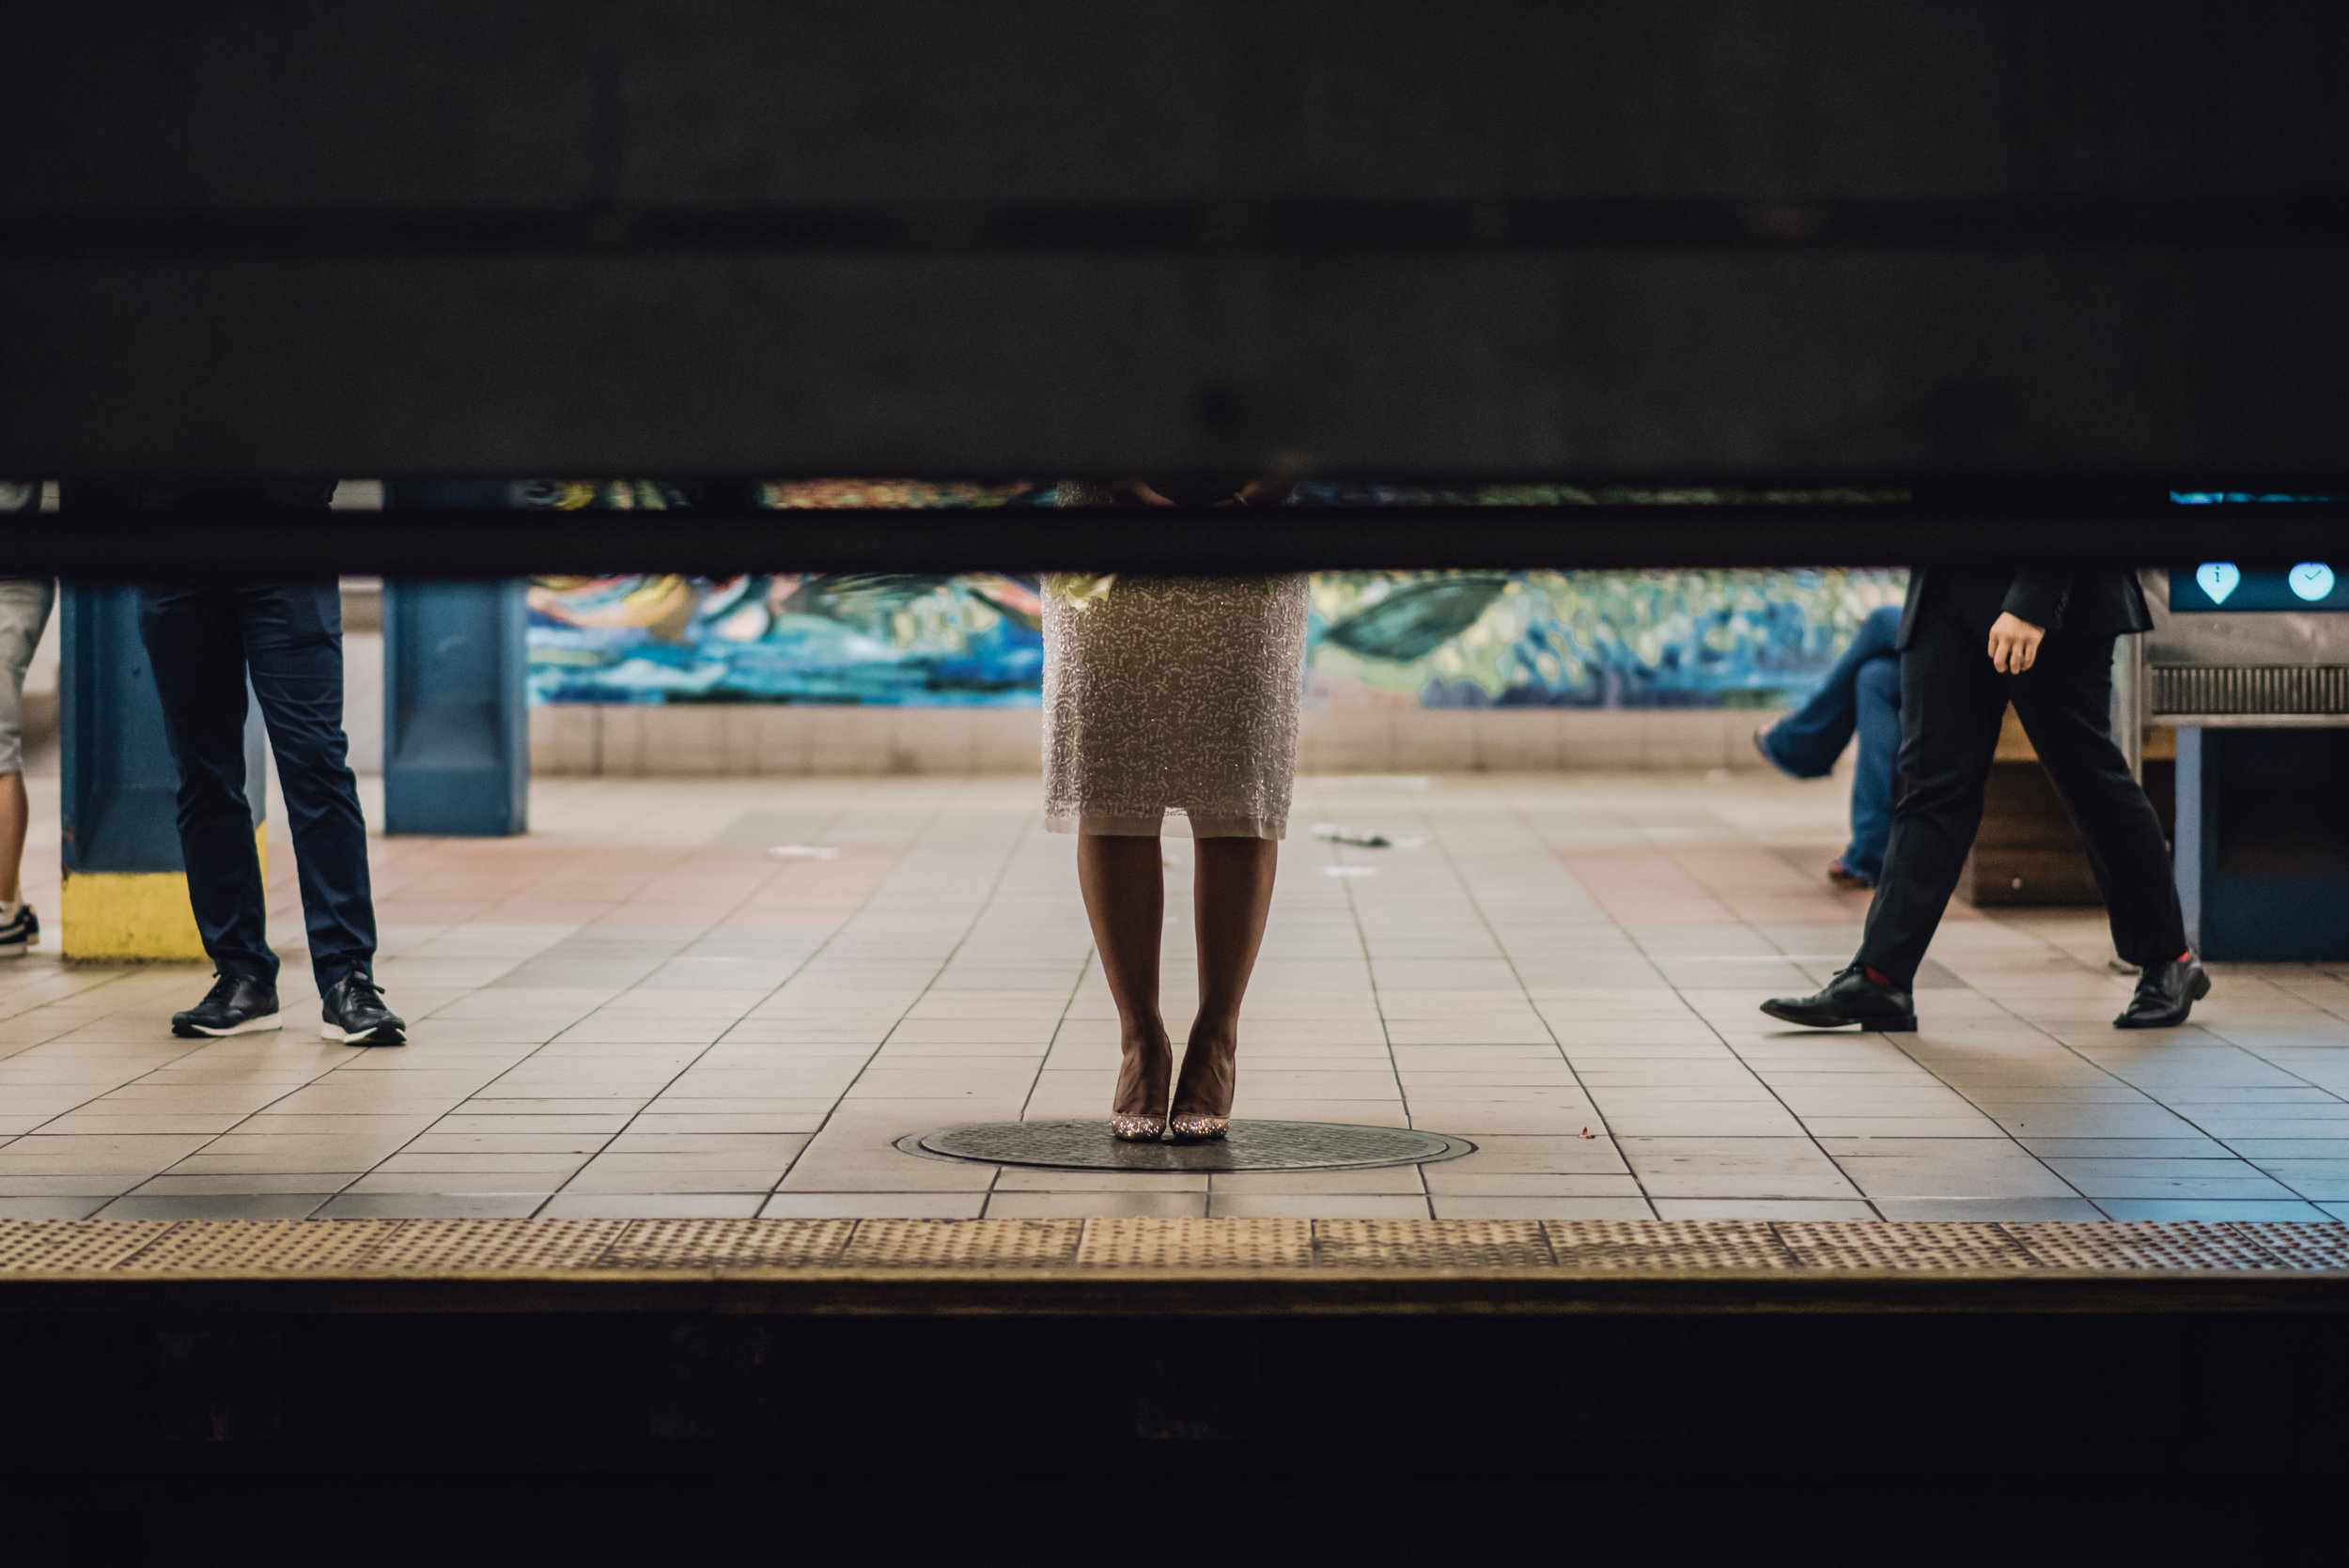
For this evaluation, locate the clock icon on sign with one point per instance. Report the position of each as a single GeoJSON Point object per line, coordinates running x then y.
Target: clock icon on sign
{"type": "Point", "coordinates": [2310, 580]}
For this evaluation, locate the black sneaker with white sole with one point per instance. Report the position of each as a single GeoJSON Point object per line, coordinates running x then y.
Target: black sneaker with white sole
{"type": "Point", "coordinates": [21, 933]}
{"type": "Point", "coordinates": [235, 1005]}
{"type": "Point", "coordinates": [354, 1012]}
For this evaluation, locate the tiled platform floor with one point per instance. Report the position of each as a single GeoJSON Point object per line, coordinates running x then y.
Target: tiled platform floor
{"type": "Point", "coordinates": [639, 1012]}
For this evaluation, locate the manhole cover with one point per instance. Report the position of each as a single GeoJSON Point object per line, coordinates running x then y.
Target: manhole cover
{"type": "Point", "coordinates": [1086, 1145]}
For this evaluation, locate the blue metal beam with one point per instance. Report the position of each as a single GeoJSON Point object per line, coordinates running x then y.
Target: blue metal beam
{"type": "Point", "coordinates": [125, 884]}
{"type": "Point", "coordinates": [456, 727]}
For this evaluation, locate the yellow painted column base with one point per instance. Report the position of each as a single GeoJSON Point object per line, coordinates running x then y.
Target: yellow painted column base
{"type": "Point", "coordinates": [133, 916]}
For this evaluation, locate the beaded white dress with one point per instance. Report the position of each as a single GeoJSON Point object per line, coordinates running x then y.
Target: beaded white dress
{"type": "Point", "coordinates": [1174, 695]}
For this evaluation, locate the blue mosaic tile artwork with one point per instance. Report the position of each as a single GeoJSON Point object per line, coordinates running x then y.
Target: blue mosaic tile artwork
{"type": "Point", "coordinates": [1599, 639]}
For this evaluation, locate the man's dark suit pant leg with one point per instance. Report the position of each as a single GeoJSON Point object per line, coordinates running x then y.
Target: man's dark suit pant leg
{"type": "Point", "coordinates": [293, 645]}
{"type": "Point", "coordinates": [2066, 703]}
{"type": "Point", "coordinates": [194, 642]}
{"type": "Point", "coordinates": [1952, 703]}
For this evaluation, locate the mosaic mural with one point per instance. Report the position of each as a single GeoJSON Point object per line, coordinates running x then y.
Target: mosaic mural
{"type": "Point", "coordinates": [1377, 640]}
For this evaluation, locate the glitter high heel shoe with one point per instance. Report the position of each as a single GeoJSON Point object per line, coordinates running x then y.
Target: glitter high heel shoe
{"type": "Point", "coordinates": [1138, 1079]}
{"type": "Point", "coordinates": [1199, 1129]}
{"type": "Point", "coordinates": [1215, 1082]}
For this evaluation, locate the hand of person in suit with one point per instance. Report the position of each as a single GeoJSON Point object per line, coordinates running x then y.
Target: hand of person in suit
{"type": "Point", "coordinates": [2014, 644]}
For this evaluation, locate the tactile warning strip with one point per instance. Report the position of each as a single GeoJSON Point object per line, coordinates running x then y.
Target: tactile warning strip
{"type": "Point", "coordinates": [1922, 1244]}
{"type": "Point", "coordinates": [2299, 1246]}
{"type": "Point", "coordinates": [729, 1244]}
{"type": "Point", "coordinates": [464, 1246]}
{"type": "Point", "coordinates": [971, 1244]}
{"type": "Point", "coordinates": [261, 1246]}
{"type": "Point", "coordinates": [1669, 1246]}
{"type": "Point", "coordinates": [1432, 1243]}
{"type": "Point", "coordinates": [73, 1245]}
{"type": "Point", "coordinates": [1198, 1244]}
{"type": "Point", "coordinates": [2142, 1244]}
{"type": "Point", "coordinates": [361, 1247]}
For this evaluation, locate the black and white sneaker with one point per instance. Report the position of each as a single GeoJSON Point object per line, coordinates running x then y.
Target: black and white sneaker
{"type": "Point", "coordinates": [235, 1005]}
{"type": "Point", "coordinates": [352, 1011]}
{"type": "Point", "coordinates": [18, 933]}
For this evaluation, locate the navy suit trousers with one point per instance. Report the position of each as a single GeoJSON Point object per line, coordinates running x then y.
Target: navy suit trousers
{"type": "Point", "coordinates": [203, 642]}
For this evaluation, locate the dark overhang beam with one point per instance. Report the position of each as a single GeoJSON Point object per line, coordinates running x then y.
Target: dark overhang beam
{"type": "Point", "coordinates": [1894, 242]}
{"type": "Point", "coordinates": [717, 541]}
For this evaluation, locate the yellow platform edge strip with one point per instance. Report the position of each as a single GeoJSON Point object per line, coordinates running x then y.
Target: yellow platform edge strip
{"type": "Point", "coordinates": [133, 916]}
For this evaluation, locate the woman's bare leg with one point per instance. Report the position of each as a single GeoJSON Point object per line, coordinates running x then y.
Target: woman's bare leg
{"type": "Point", "coordinates": [14, 811]}
{"type": "Point", "coordinates": [1233, 894]}
{"type": "Point", "coordinates": [1124, 883]}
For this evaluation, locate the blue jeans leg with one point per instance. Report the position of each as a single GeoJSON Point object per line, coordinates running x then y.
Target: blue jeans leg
{"type": "Point", "coordinates": [1807, 741]}
{"type": "Point", "coordinates": [1878, 700]}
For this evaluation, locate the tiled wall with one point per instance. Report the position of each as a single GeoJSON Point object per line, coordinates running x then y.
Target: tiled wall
{"type": "Point", "coordinates": [768, 740]}
{"type": "Point", "coordinates": [1519, 740]}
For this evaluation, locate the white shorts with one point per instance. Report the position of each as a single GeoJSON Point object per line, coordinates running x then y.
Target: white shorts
{"type": "Point", "coordinates": [25, 605]}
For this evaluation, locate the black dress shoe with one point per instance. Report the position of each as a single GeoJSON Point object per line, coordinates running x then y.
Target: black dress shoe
{"type": "Point", "coordinates": [352, 1011]}
{"type": "Point", "coordinates": [235, 1005]}
{"type": "Point", "coordinates": [1850, 998]}
{"type": "Point", "coordinates": [2166, 993]}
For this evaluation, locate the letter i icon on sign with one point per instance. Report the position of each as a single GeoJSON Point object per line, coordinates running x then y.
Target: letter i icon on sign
{"type": "Point", "coordinates": [2217, 579]}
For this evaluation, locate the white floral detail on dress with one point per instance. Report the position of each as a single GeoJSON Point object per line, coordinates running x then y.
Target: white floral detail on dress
{"type": "Point", "coordinates": [1077, 589]}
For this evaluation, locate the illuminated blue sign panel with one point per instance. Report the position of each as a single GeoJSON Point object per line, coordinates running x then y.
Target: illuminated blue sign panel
{"type": "Point", "coordinates": [2223, 586]}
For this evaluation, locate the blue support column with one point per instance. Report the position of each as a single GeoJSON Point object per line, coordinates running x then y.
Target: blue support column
{"type": "Point", "coordinates": [126, 888]}
{"type": "Point", "coordinates": [456, 727]}
{"type": "Point", "coordinates": [2262, 843]}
